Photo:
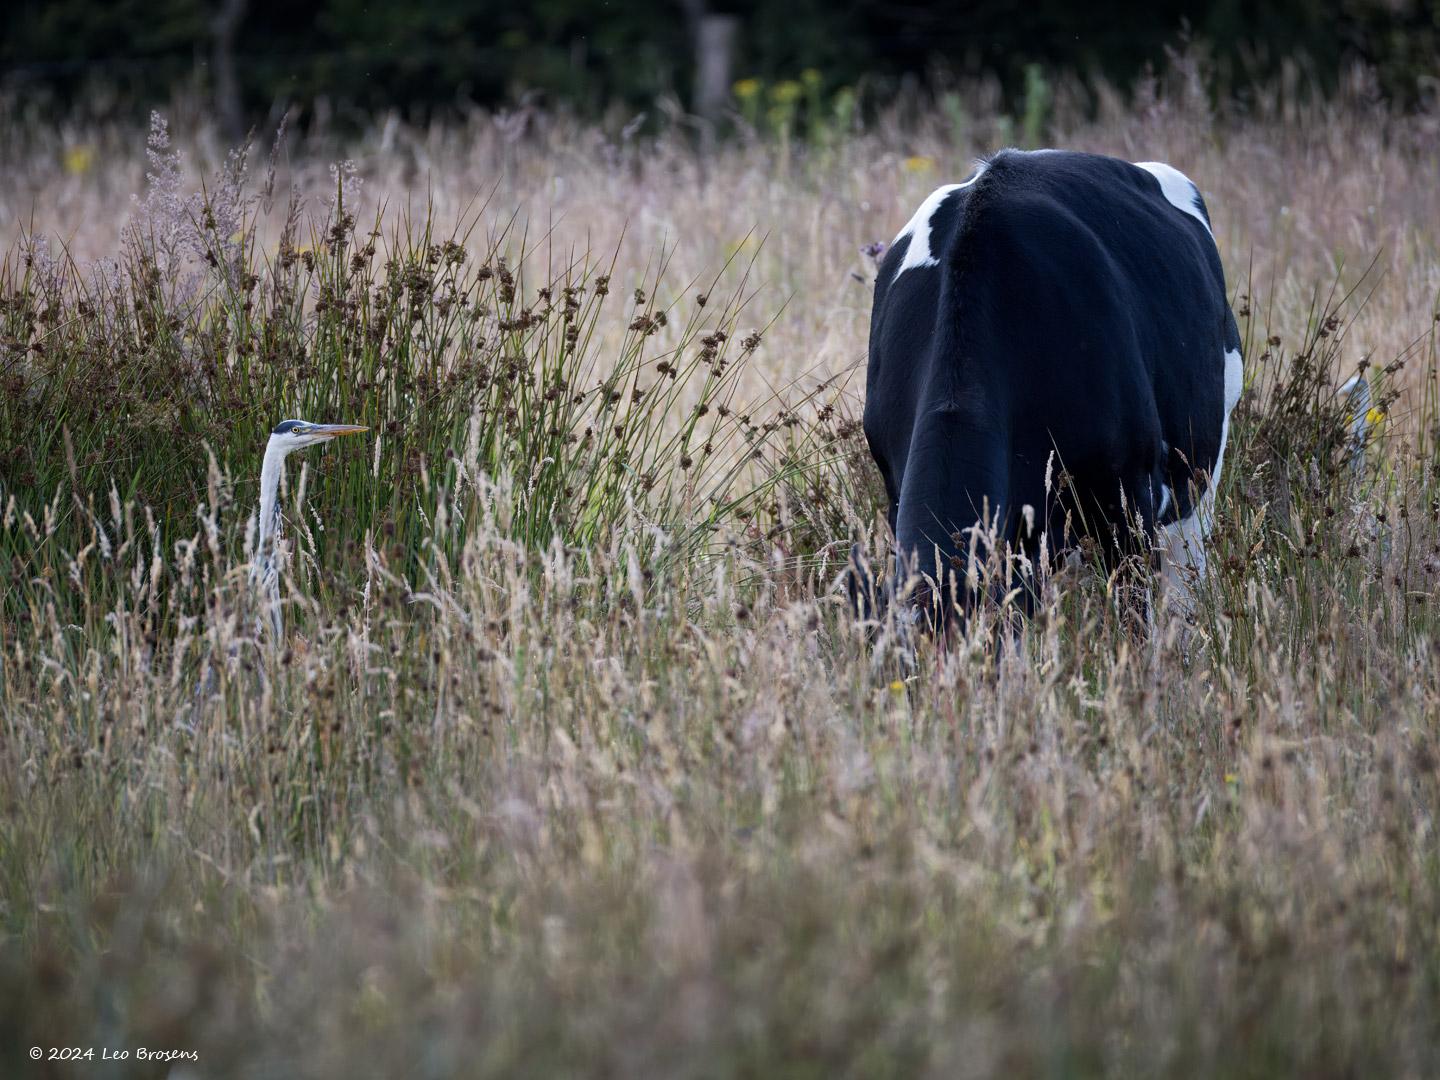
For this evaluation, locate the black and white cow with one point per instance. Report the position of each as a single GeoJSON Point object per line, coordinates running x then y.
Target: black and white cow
{"type": "Point", "coordinates": [1056, 312]}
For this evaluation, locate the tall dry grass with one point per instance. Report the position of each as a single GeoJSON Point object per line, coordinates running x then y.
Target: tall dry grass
{"type": "Point", "coordinates": [547, 783]}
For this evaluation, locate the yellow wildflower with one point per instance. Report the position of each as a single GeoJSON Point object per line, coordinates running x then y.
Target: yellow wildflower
{"type": "Point", "coordinates": [746, 89]}
{"type": "Point", "coordinates": [785, 93]}
{"type": "Point", "coordinates": [918, 163]}
{"type": "Point", "coordinates": [79, 159]}
{"type": "Point", "coordinates": [749, 244]}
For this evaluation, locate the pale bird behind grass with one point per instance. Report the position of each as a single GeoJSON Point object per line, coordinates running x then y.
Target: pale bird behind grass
{"type": "Point", "coordinates": [288, 436]}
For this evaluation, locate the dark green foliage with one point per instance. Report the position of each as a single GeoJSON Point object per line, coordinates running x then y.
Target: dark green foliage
{"type": "Point", "coordinates": [590, 54]}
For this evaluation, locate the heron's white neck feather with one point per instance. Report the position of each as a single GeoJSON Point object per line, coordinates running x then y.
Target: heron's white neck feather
{"type": "Point", "coordinates": [270, 472]}
{"type": "Point", "coordinates": [265, 571]}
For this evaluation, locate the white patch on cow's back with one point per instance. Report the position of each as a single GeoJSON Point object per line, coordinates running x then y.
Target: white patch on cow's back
{"type": "Point", "coordinates": [918, 253]}
{"type": "Point", "coordinates": [1178, 188]}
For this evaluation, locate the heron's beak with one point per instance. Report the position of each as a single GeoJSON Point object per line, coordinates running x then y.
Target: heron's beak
{"type": "Point", "coordinates": [331, 431]}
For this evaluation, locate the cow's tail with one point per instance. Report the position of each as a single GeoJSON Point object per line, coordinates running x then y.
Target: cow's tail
{"type": "Point", "coordinates": [952, 518]}
{"type": "Point", "coordinates": [889, 627]}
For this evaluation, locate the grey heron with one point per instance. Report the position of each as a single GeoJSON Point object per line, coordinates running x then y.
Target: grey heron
{"type": "Point", "coordinates": [289, 435]}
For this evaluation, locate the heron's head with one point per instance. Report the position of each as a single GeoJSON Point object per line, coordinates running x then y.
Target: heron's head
{"type": "Point", "coordinates": [294, 434]}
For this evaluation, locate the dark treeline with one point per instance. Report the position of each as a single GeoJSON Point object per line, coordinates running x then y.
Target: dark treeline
{"type": "Point", "coordinates": [248, 55]}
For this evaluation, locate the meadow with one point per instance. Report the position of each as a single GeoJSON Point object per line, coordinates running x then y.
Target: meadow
{"type": "Point", "coordinates": [572, 760]}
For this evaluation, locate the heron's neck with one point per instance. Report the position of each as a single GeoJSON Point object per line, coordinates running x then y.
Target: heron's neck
{"type": "Point", "coordinates": [270, 473]}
